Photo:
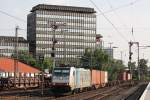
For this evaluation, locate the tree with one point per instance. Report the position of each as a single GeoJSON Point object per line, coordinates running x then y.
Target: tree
{"type": "Point", "coordinates": [94, 59]}
{"type": "Point", "coordinates": [143, 68]}
{"type": "Point", "coordinates": [100, 60]}
{"type": "Point", "coordinates": [134, 69]}
{"type": "Point", "coordinates": [28, 58]}
{"type": "Point", "coordinates": [115, 67]}
{"type": "Point", "coordinates": [48, 63]}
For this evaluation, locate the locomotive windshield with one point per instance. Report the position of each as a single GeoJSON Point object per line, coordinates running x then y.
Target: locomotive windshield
{"type": "Point", "coordinates": [61, 71]}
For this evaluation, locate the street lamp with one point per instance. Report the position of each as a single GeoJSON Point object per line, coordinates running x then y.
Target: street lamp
{"type": "Point", "coordinates": [41, 59]}
{"type": "Point", "coordinates": [16, 54]}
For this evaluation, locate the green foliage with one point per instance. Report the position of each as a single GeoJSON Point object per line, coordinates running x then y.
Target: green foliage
{"type": "Point", "coordinates": [27, 58]}
{"type": "Point", "coordinates": [134, 70]}
{"type": "Point", "coordinates": [143, 68]}
{"type": "Point", "coordinates": [115, 66]}
{"type": "Point", "coordinates": [94, 59]}
{"type": "Point", "coordinates": [48, 63]}
{"type": "Point", "coordinates": [100, 60]}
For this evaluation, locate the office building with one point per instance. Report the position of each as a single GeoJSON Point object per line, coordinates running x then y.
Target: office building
{"type": "Point", "coordinates": [76, 31]}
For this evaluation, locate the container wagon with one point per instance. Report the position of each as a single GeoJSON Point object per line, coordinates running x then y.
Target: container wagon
{"type": "Point", "coordinates": [82, 80]}
{"type": "Point", "coordinates": [23, 80]}
{"type": "Point", "coordinates": [104, 78]}
{"type": "Point", "coordinates": [124, 76]}
{"type": "Point", "coordinates": [99, 78]}
{"type": "Point", "coordinates": [96, 79]}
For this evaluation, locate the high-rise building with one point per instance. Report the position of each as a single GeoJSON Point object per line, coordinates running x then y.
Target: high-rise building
{"type": "Point", "coordinates": [76, 31]}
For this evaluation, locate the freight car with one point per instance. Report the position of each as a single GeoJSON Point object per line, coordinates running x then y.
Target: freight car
{"type": "Point", "coordinates": [66, 79]}
{"type": "Point", "coordinates": [124, 76]}
{"type": "Point", "coordinates": [23, 80]}
{"type": "Point", "coordinates": [99, 78]}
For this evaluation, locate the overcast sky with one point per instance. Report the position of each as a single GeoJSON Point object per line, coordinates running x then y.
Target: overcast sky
{"type": "Point", "coordinates": [123, 14]}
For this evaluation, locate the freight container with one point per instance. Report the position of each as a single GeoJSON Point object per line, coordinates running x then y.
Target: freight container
{"type": "Point", "coordinates": [122, 76]}
{"type": "Point", "coordinates": [99, 78]}
{"type": "Point", "coordinates": [83, 78]}
{"type": "Point", "coordinates": [102, 79]}
{"type": "Point", "coordinates": [129, 76]}
{"type": "Point", "coordinates": [95, 78]}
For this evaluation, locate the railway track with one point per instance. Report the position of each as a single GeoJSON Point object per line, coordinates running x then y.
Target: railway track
{"type": "Point", "coordinates": [95, 94]}
{"type": "Point", "coordinates": [80, 95]}
{"type": "Point", "coordinates": [92, 95]}
{"type": "Point", "coordinates": [34, 94]}
{"type": "Point", "coordinates": [102, 95]}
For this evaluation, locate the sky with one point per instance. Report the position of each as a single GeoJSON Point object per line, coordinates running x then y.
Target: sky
{"type": "Point", "coordinates": [115, 19]}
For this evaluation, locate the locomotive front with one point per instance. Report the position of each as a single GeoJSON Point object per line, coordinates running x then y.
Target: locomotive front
{"type": "Point", "coordinates": [60, 79]}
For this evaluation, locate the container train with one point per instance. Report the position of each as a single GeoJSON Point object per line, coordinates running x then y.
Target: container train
{"type": "Point", "coordinates": [63, 79]}
{"type": "Point", "coordinates": [71, 79]}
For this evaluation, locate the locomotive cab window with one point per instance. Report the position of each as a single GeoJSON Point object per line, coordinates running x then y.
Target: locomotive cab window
{"type": "Point", "coordinates": [61, 72]}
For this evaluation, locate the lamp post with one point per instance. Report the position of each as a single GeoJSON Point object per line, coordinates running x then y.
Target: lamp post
{"type": "Point", "coordinates": [16, 55]}
{"type": "Point", "coordinates": [41, 59]}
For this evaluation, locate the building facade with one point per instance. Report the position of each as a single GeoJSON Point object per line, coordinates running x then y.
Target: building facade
{"type": "Point", "coordinates": [76, 31]}
{"type": "Point", "coordinates": [7, 45]}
